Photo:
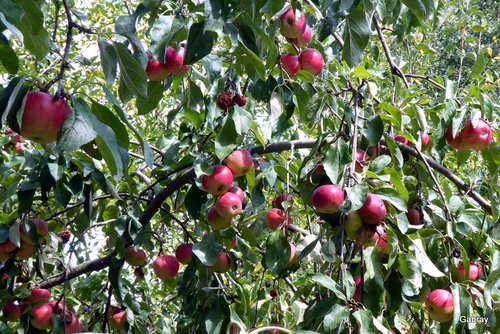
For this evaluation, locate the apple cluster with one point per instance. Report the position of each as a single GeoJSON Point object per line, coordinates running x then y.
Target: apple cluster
{"type": "Point", "coordinates": [475, 136]}
{"type": "Point", "coordinates": [172, 64]}
{"type": "Point", "coordinates": [41, 312]}
{"type": "Point", "coordinates": [14, 141]}
{"type": "Point", "coordinates": [298, 32]}
{"type": "Point", "coordinates": [28, 246]}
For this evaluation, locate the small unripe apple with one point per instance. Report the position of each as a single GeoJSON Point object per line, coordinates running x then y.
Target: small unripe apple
{"type": "Point", "coordinates": [291, 27]}
{"type": "Point", "coordinates": [379, 240]}
{"type": "Point", "coordinates": [290, 64]}
{"type": "Point", "coordinates": [41, 316]}
{"type": "Point", "coordinates": [118, 320]}
{"type": "Point", "coordinates": [278, 201]}
{"type": "Point", "coordinates": [42, 229]}
{"type": "Point", "coordinates": [11, 312]}
{"type": "Point", "coordinates": [228, 205]}
{"type": "Point", "coordinates": [216, 221]}
{"type": "Point", "coordinates": [311, 61]}
{"type": "Point", "coordinates": [352, 224]}
{"type": "Point", "coordinates": [373, 210]}
{"type": "Point", "coordinates": [184, 253]}
{"type": "Point", "coordinates": [218, 182]}
{"type": "Point", "coordinates": [39, 296]}
{"type": "Point", "coordinates": [303, 39]}
{"type": "Point", "coordinates": [43, 116]}
{"type": "Point", "coordinates": [156, 70]}
{"type": "Point", "coordinates": [240, 162]}
{"type": "Point", "coordinates": [275, 218]}
{"type": "Point", "coordinates": [174, 60]}
{"type": "Point", "coordinates": [415, 217]}
{"type": "Point", "coordinates": [361, 160]}
{"type": "Point", "coordinates": [357, 292]}
{"type": "Point", "coordinates": [223, 263]}
{"type": "Point", "coordinates": [238, 191]}
{"type": "Point", "coordinates": [26, 251]}
{"type": "Point", "coordinates": [426, 141]}
{"type": "Point", "coordinates": [166, 267]}
{"type": "Point", "coordinates": [135, 257]}
{"type": "Point", "coordinates": [439, 305]}
{"type": "Point", "coordinates": [293, 255]}
{"type": "Point", "coordinates": [327, 198]}
{"type": "Point", "coordinates": [7, 246]}
{"type": "Point", "coordinates": [474, 272]}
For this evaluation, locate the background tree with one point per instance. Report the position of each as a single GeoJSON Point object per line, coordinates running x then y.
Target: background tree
{"type": "Point", "coordinates": [280, 144]}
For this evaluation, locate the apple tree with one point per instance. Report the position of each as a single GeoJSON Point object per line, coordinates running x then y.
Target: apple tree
{"type": "Point", "coordinates": [223, 166]}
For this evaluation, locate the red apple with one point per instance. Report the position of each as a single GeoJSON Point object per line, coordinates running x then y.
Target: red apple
{"type": "Point", "coordinates": [426, 141]}
{"type": "Point", "coordinates": [41, 316]}
{"type": "Point", "coordinates": [135, 257]}
{"type": "Point", "coordinates": [72, 323]}
{"type": "Point", "coordinates": [7, 246]}
{"type": "Point", "coordinates": [327, 198]}
{"type": "Point", "coordinates": [43, 116]}
{"type": "Point", "coordinates": [415, 217]}
{"type": "Point", "coordinates": [319, 170]}
{"type": "Point", "coordinates": [240, 162]}
{"type": "Point", "coordinates": [373, 211]}
{"type": "Point", "coordinates": [293, 255]}
{"type": "Point", "coordinates": [218, 182]}
{"type": "Point", "coordinates": [278, 201]}
{"type": "Point", "coordinates": [174, 60]}
{"type": "Point", "coordinates": [58, 306]}
{"type": "Point", "coordinates": [26, 251]}
{"type": "Point", "coordinates": [361, 160]}
{"type": "Point", "coordinates": [275, 218]}
{"type": "Point", "coordinates": [357, 292]}
{"type": "Point", "coordinates": [377, 150]}
{"type": "Point", "coordinates": [42, 229]}
{"type": "Point", "coordinates": [223, 263]}
{"type": "Point", "coordinates": [216, 221]}
{"type": "Point", "coordinates": [291, 27]}
{"type": "Point", "coordinates": [311, 61]}
{"type": "Point", "coordinates": [303, 39]}
{"type": "Point", "coordinates": [290, 64]}
{"type": "Point", "coordinates": [11, 312]}
{"type": "Point", "coordinates": [39, 296]}
{"type": "Point", "coordinates": [379, 240]}
{"type": "Point", "coordinates": [166, 267]}
{"type": "Point", "coordinates": [474, 272]}
{"type": "Point", "coordinates": [156, 70]}
{"type": "Point", "coordinates": [228, 205]}
{"type": "Point", "coordinates": [439, 305]}
{"type": "Point", "coordinates": [184, 253]}
{"type": "Point", "coordinates": [471, 138]}
{"type": "Point", "coordinates": [240, 100]}
{"type": "Point", "coordinates": [225, 100]}
{"type": "Point", "coordinates": [118, 320]}
{"type": "Point", "coordinates": [402, 140]}
{"type": "Point", "coordinates": [238, 191]}
{"type": "Point", "coordinates": [273, 293]}
{"type": "Point", "coordinates": [15, 139]}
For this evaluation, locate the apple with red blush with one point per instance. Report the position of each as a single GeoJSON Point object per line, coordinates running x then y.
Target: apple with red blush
{"type": "Point", "coordinates": [135, 257]}
{"type": "Point", "coordinates": [219, 182]}
{"type": "Point", "coordinates": [222, 264]}
{"type": "Point", "coordinates": [327, 198]}
{"type": "Point", "coordinates": [439, 305]}
{"type": "Point", "coordinates": [291, 26]}
{"type": "Point", "coordinates": [373, 210]}
{"type": "Point", "coordinates": [216, 221]}
{"type": "Point", "coordinates": [228, 205]}
{"type": "Point", "coordinates": [184, 253]}
{"type": "Point", "coordinates": [290, 63]}
{"type": "Point", "coordinates": [474, 272]}
{"type": "Point", "coordinates": [240, 162]}
{"type": "Point", "coordinates": [275, 218]}
{"type": "Point", "coordinates": [166, 267]}
{"type": "Point", "coordinates": [311, 61]}
{"type": "Point", "coordinates": [174, 60]}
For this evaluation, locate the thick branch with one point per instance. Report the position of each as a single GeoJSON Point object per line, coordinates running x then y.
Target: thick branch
{"type": "Point", "coordinates": [87, 267]}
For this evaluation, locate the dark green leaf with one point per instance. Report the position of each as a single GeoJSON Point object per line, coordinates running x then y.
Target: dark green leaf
{"type": "Point", "coordinates": [8, 58]}
{"type": "Point", "coordinates": [132, 73]}
{"type": "Point", "coordinates": [199, 43]}
{"type": "Point", "coordinates": [277, 252]}
{"type": "Point", "coordinates": [109, 62]}
{"type": "Point", "coordinates": [206, 250]}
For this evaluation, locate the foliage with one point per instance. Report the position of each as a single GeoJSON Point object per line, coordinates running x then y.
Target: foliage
{"type": "Point", "coordinates": [127, 164]}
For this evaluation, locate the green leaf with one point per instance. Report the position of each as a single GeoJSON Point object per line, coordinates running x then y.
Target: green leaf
{"type": "Point", "coordinates": [10, 13]}
{"type": "Point", "coordinates": [227, 138]}
{"type": "Point", "coordinates": [357, 33]}
{"type": "Point", "coordinates": [336, 158]}
{"type": "Point", "coordinates": [336, 316]}
{"type": "Point", "coordinates": [375, 130]}
{"type": "Point", "coordinates": [107, 117]}
{"type": "Point", "coordinates": [33, 14]}
{"type": "Point", "coordinates": [277, 252]}
{"type": "Point", "coordinates": [131, 72]}
{"type": "Point", "coordinates": [195, 198]}
{"type": "Point", "coordinates": [78, 129]}
{"type": "Point", "coordinates": [109, 62]}
{"type": "Point", "coordinates": [14, 235]}
{"type": "Point", "coordinates": [479, 65]}
{"type": "Point", "coordinates": [328, 283]}
{"type": "Point", "coordinates": [206, 250]}
{"type": "Point", "coordinates": [461, 305]}
{"type": "Point", "coordinates": [242, 119]}
{"type": "Point", "coordinates": [409, 267]}
{"type": "Point", "coordinates": [308, 249]}
{"type": "Point", "coordinates": [38, 44]}
{"type": "Point", "coordinates": [164, 28]}
{"type": "Point", "coordinates": [393, 197]}
{"type": "Point", "coordinates": [199, 43]}
{"type": "Point", "coordinates": [357, 195]}
{"type": "Point", "coordinates": [8, 58]}
{"type": "Point", "coordinates": [422, 9]}
{"type": "Point", "coordinates": [11, 99]}
{"type": "Point", "coordinates": [364, 318]}
{"type": "Point", "coordinates": [115, 277]}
